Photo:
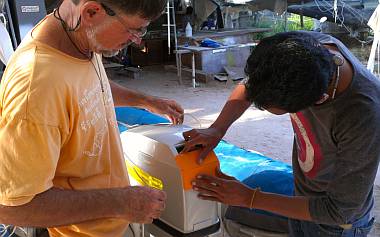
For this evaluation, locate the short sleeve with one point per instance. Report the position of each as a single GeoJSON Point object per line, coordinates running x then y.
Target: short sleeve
{"type": "Point", "coordinates": [29, 153]}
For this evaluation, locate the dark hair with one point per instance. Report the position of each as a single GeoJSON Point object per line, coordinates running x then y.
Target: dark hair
{"type": "Point", "coordinates": [288, 71]}
{"type": "Point", "coordinates": [189, 10]}
{"type": "Point", "coordinates": [148, 9]}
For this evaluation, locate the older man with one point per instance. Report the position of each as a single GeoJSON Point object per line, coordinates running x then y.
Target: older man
{"type": "Point", "coordinates": [61, 161]}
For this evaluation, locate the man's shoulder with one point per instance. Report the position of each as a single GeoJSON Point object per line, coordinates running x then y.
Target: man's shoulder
{"type": "Point", "coordinates": [26, 56]}
{"type": "Point", "coordinates": [362, 98]}
{"type": "Point", "coordinates": [40, 62]}
{"type": "Point", "coordinates": [37, 72]}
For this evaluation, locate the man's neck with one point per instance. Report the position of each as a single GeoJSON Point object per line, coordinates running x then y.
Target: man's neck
{"type": "Point", "coordinates": [346, 74]}
{"type": "Point", "coordinates": [53, 33]}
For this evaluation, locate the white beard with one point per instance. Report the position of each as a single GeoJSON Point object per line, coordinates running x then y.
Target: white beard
{"type": "Point", "coordinates": [110, 54]}
{"type": "Point", "coordinates": [98, 47]}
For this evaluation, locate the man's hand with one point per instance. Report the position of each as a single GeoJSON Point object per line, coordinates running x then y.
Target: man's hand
{"type": "Point", "coordinates": [224, 189]}
{"type": "Point", "coordinates": [207, 139]}
{"type": "Point", "coordinates": [143, 204]}
{"type": "Point", "coordinates": [169, 108]}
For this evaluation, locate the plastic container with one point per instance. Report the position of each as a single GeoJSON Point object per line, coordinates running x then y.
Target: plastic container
{"type": "Point", "coordinates": [189, 30]}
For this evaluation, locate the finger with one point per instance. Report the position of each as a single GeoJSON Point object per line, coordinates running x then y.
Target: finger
{"type": "Point", "coordinates": [207, 187]}
{"type": "Point", "coordinates": [148, 220]}
{"type": "Point", "coordinates": [222, 175]}
{"type": "Point", "coordinates": [181, 119]}
{"type": "Point", "coordinates": [186, 134]}
{"type": "Point", "coordinates": [209, 198]}
{"type": "Point", "coordinates": [172, 119]}
{"type": "Point", "coordinates": [190, 133]}
{"type": "Point", "coordinates": [169, 112]}
{"type": "Point", "coordinates": [179, 110]}
{"type": "Point", "coordinates": [162, 195]}
{"type": "Point", "coordinates": [212, 190]}
{"type": "Point", "coordinates": [204, 152]}
{"type": "Point", "coordinates": [161, 206]}
{"type": "Point", "coordinates": [208, 179]}
{"type": "Point", "coordinates": [156, 215]}
{"type": "Point", "coordinates": [175, 106]}
{"type": "Point", "coordinates": [157, 204]}
{"type": "Point", "coordinates": [175, 114]}
{"type": "Point", "coordinates": [191, 144]}
{"type": "Point", "coordinates": [158, 197]}
{"type": "Point", "coordinates": [188, 147]}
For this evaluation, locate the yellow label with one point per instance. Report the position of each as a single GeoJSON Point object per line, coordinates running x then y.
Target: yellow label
{"type": "Point", "coordinates": [143, 177]}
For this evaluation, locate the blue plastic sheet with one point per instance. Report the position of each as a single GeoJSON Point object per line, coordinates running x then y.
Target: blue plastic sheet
{"type": "Point", "coordinates": [134, 116]}
{"type": "Point", "coordinates": [254, 169]}
{"type": "Point", "coordinates": [209, 43]}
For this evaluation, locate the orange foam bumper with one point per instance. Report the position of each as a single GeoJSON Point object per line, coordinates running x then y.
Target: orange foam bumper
{"type": "Point", "coordinates": [189, 167]}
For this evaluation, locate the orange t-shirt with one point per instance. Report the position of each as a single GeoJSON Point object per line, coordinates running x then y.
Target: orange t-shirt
{"type": "Point", "coordinates": [58, 129]}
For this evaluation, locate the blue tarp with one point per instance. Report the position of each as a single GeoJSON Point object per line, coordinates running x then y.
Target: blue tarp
{"type": "Point", "coordinates": [254, 169]}
{"type": "Point", "coordinates": [134, 116]}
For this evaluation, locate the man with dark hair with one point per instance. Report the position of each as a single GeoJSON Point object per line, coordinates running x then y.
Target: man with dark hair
{"type": "Point", "coordinates": [334, 104]}
{"type": "Point", "coordinates": [61, 160]}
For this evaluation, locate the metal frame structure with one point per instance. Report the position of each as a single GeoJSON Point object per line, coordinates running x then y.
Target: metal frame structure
{"type": "Point", "coordinates": [171, 22]}
{"type": "Point", "coordinates": [5, 10]}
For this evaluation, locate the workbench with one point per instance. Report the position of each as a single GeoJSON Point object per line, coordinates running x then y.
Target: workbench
{"type": "Point", "coordinates": [235, 50]}
{"type": "Point", "coordinates": [193, 50]}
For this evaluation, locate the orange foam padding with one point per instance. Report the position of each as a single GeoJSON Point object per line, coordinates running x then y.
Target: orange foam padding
{"type": "Point", "coordinates": [189, 167]}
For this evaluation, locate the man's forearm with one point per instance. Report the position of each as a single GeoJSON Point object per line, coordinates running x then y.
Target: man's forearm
{"type": "Point", "coordinates": [125, 97]}
{"type": "Point", "coordinates": [292, 207]}
{"type": "Point", "coordinates": [57, 207]}
{"type": "Point", "coordinates": [236, 105]}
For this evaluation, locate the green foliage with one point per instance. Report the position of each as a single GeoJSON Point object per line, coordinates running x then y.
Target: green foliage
{"type": "Point", "coordinates": [278, 24]}
{"type": "Point", "coordinates": [294, 23]}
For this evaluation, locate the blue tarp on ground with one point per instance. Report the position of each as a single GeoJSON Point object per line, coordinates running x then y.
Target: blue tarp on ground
{"type": "Point", "coordinates": [254, 169]}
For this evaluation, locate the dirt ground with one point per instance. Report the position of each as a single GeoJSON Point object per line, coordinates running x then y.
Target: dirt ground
{"type": "Point", "coordinates": [256, 130]}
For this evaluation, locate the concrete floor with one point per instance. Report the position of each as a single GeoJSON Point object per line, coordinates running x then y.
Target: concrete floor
{"type": "Point", "coordinates": [256, 130]}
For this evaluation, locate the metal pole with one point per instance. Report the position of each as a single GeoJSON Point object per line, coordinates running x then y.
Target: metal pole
{"type": "Point", "coordinates": [301, 16]}
{"type": "Point", "coordinates": [286, 20]}
{"type": "Point", "coordinates": [11, 25]}
{"type": "Point", "coordinates": [177, 56]}
{"type": "Point", "coordinates": [168, 17]}
{"type": "Point", "coordinates": [193, 72]}
{"type": "Point", "coordinates": [174, 27]}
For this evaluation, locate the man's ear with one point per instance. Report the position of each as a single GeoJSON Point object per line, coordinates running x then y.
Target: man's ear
{"type": "Point", "coordinates": [92, 13]}
{"type": "Point", "coordinates": [322, 99]}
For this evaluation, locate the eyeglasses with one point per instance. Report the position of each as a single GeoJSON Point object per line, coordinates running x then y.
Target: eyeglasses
{"type": "Point", "coordinates": [138, 34]}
